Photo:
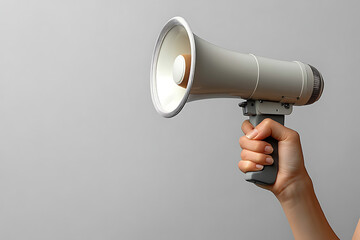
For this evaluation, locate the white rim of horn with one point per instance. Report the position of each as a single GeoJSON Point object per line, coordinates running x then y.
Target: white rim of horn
{"type": "Point", "coordinates": [173, 22]}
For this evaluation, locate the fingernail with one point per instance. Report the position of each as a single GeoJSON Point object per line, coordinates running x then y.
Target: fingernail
{"type": "Point", "coordinates": [252, 134]}
{"type": "Point", "coordinates": [268, 149]}
{"type": "Point", "coordinates": [269, 160]}
{"type": "Point", "coordinates": [258, 166]}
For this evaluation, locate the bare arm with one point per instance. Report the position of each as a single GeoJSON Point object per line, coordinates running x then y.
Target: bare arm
{"type": "Point", "coordinates": [304, 213]}
{"type": "Point", "coordinates": [293, 187]}
{"type": "Point", "coordinates": [357, 232]}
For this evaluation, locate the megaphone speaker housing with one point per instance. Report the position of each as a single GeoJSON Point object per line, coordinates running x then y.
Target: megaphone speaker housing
{"type": "Point", "coordinates": [186, 67]}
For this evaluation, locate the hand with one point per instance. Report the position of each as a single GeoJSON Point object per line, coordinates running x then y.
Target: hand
{"type": "Point", "coordinates": [293, 186]}
{"type": "Point", "coordinates": [255, 154]}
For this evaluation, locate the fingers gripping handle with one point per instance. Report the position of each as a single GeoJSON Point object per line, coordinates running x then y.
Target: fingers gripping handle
{"type": "Point", "coordinates": [268, 174]}
{"type": "Point", "coordinates": [258, 110]}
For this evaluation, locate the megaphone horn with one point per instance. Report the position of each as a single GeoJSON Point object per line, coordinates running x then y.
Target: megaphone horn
{"type": "Point", "coordinates": [186, 67]}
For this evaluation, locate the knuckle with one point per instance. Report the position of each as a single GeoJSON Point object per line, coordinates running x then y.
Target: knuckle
{"type": "Point", "coordinates": [248, 166]}
{"type": "Point", "coordinates": [241, 166]}
{"type": "Point", "coordinates": [243, 154]}
{"type": "Point", "coordinates": [294, 135]}
{"type": "Point", "coordinates": [242, 140]}
{"type": "Point", "coordinates": [245, 166]}
{"type": "Point", "coordinates": [267, 121]}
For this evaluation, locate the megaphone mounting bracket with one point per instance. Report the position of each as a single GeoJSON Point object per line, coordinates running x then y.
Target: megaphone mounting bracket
{"type": "Point", "coordinates": [260, 107]}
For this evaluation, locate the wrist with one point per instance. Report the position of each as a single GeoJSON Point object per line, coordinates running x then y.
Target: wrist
{"type": "Point", "coordinates": [303, 210]}
{"type": "Point", "coordinates": [295, 189]}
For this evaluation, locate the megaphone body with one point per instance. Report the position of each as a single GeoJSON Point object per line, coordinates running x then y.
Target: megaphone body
{"type": "Point", "coordinates": [187, 68]}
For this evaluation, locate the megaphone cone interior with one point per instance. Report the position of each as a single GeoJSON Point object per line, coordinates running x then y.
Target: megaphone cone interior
{"type": "Point", "coordinates": [173, 67]}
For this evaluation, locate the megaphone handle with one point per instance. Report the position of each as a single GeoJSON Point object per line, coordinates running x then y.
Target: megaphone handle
{"type": "Point", "coordinates": [268, 174]}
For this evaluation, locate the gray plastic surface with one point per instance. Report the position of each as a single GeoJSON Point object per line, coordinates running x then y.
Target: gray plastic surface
{"type": "Point", "coordinates": [267, 176]}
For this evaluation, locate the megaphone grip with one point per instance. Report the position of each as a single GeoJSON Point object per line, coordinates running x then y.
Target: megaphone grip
{"type": "Point", "coordinates": [267, 175]}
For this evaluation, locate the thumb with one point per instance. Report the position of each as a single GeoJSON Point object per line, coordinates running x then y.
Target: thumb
{"type": "Point", "coordinates": [269, 127]}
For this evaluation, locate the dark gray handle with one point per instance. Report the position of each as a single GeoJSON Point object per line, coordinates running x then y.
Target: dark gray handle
{"type": "Point", "coordinates": [268, 174]}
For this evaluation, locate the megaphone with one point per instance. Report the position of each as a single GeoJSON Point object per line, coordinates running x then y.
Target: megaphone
{"type": "Point", "coordinates": [186, 68]}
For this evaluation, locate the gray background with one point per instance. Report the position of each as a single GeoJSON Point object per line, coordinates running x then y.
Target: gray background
{"type": "Point", "coordinates": [84, 155]}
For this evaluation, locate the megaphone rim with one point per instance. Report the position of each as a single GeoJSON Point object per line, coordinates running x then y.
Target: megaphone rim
{"type": "Point", "coordinates": [175, 21]}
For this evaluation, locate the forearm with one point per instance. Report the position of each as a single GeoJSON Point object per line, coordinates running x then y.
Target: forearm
{"type": "Point", "coordinates": [304, 213]}
{"type": "Point", "coordinates": [357, 232]}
